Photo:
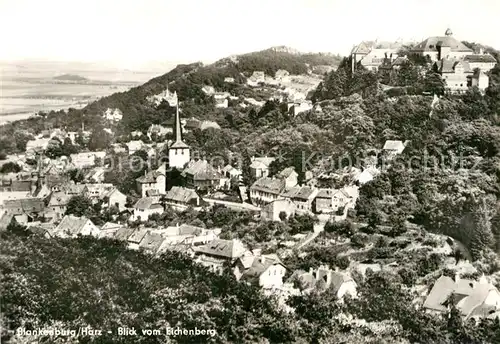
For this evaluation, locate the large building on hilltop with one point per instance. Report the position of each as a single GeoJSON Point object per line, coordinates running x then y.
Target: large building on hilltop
{"type": "Point", "coordinates": [169, 97]}
{"type": "Point", "coordinates": [371, 54]}
{"type": "Point", "coordinates": [459, 66]}
{"type": "Point", "coordinates": [178, 152]}
{"type": "Point", "coordinates": [442, 47]}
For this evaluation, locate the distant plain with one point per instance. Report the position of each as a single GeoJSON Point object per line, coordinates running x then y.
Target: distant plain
{"type": "Point", "coordinates": [27, 87]}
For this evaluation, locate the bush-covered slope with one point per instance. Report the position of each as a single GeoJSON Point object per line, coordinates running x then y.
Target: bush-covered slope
{"type": "Point", "coordinates": [99, 283]}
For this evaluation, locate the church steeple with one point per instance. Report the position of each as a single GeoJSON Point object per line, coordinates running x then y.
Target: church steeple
{"type": "Point", "coordinates": [178, 134]}
{"type": "Point", "coordinates": [178, 153]}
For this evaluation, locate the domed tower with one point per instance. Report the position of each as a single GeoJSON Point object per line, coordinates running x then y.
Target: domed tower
{"type": "Point", "coordinates": [448, 32]}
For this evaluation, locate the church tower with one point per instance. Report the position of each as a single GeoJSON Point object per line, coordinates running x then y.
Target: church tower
{"type": "Point", "coordinates": [178, 152]}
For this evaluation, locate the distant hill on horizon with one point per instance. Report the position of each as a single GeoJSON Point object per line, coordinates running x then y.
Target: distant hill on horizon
{"type": "Point", "coordinates": [70, 77]}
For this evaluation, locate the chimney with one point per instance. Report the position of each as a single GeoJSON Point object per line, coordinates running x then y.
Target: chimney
{"type": "Point", "coordinates": [262, 259]}
{"type": "Point", "coordinates": [457, 277]}
{"type": "Point", "coordinates": [481, 52]}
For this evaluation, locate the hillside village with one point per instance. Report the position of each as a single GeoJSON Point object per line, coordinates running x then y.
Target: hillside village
{"type": "Point", "coordinates": [272, 221]}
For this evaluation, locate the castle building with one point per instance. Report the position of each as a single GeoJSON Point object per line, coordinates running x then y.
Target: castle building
{"type": "Point", "coordinates": [178, 152]}
{"type": "Point", "coordinates": [442, 47]}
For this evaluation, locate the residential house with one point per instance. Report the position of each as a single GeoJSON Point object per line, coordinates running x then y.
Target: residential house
{"type": "Point", "coordinates": [393, 147]}
{"type": "Point", "coordinates": [109, 230]}
{"type": "Point", "coordinates": [95, 191]}
{"type": "Point", "coordinates": [152, 183]}
{"type": "Point", "coordinates": [158, 130]}
{"type": "Point", "coordinates": [73, 226]}
{"type": "Point", "coordinates": [208, 90]}
{"type": "Point", "coordinates": [95, 175]}
{"type": "Point", "coordinates": [266, 271]}
{"type": "Point", "coordinates": [366, 176]}
{"type": "Point", "coordinates": [187, 234]}
{"type": "Point", "coordinates": [123, 233]}
{"type": "Point", "coordinates": [183, 197]}
{"type": "Point", "coordinates": [289, 176]}
{"type": "Point", "coordinates": [114, 115]}
{"type": "Point", "coordinates": [134, 240]}
{"type": "Point", "coordinates": [256, 78]}
{"type": "Point", "coordinates": [37, 144]}
{"type": "Point", "coordinates": [134, 146]}
{"type": "Point", "coordinates": [302, 196]}
{"type": "Point", "coordinates": [17, 182]}
{"type": "Point", "coordinates": [474, 299]}
{"type": "Point", "coordinates": [259, 167]}
{"type": "Point", "coordinates": [480, 80]}
{"type": "Point", "coordinates": [273, 210]}
{"type": "Point", "coordinates": [229, 80]}
{"type": "Point", "coordinates": [24, 210]}
{"type": "Point", "coordinates": [297, 107]}
{"type": "Point", "coordinates": [108, 194]}
{"type": "Point", "coordinates": [119, 148]}
{"type": "Point", "coordinates": [484, 62]}
{"type": "Point", "coordinates": [199, 174]}
{"type": "Point", "coordinates": [440, 47]}
{"type": "Point", "coordinates": [323, 279]}
{"type": "Point", "coordinates": [145, 207]}
{"type": "Point", "coordinates": [209, 124]}
{"type": "Point", "coordinates": [86, 159]}
{"type": "Point", "coordinates": [329, 201]}
{"type": "Point", "coordinates": [455, 74]}
{"type": "Point", "coordinates": [217, 252]}
{"type": "Point", "coordinates": [151, 242]}
{"type": "Point", "coordinates": [232, 173]}
{"type": "Point", "coordinates": [221, 101]}
{"type": "Point", "coordinates": [56, 208]}
{"type": "Point", "coordinates": [265, 190]}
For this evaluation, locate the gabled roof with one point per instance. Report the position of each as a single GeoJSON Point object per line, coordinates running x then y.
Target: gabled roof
{"type": "Point", "coordinates": [440, 292]}
{"type": "Point", "coordinates": [362, 48]}
{"type": "Point", "coordinates": [220, 248]}
{"type": "Point", "coordinates": [261, 162]}
{"type": "Point", "coordinates": [150, 177]}
{"type": "Point", "coordinates": [473, 302]}
{"type": "Point", "coordinates": [326, 193]}
{"type": "Point", "coordinates": [259, 266]}
{"type": "Point", "coordinates": [287, 172]}
{"type": "Point", "coordinates": [201, 170]}
{"type": "Point", "coordinates": [124, 233]}
{"type": "Point", "coordinates": [111, 225]}
{"type": "Point", "coordinates": [59, 199]}
{"type": "Point", "coordinates": [450, 65]}
{"type": "Point", "coordinates": [298, 192]}
{"type": "Point", "coordinates": [24, 206]}
{"type": "Point", "coordinates": [148, 203]}
{"type": "Point", "coordinates": [338, 279]}
{"type": "Point", "coordinates": [181, 194]}
{"type": "Point", "coordinates": [71, 225]}
{"type": "Point", "coordinates": [269, 185]}
{"type": "Point", "coordinates": [151, 242]}
{"type": "Point", "coordinates": [394, 145]}
{"type": "Point", "coordinates": [137, 235]}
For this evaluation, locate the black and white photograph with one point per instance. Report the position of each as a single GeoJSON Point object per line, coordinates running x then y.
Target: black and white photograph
{"type": "Point", "coordinates": [249, 172]}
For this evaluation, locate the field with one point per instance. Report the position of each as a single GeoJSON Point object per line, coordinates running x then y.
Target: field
{"type": "Point", "coordinates": [29, 87]}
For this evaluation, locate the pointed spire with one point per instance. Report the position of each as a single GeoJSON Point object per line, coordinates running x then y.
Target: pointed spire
{"type": "Point", "coordinates": [178, 137]}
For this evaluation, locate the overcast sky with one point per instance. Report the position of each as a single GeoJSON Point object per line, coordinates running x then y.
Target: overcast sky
{"type": "Point", "coordinates": [135, 31]}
